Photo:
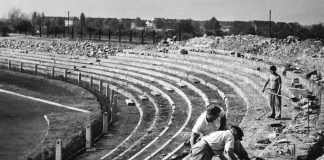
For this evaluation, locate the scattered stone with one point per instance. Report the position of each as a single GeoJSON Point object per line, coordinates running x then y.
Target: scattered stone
{"type": "Point", "coordinates": [264, 141]}
{"type": "Point", "coordinates": [183, 51]}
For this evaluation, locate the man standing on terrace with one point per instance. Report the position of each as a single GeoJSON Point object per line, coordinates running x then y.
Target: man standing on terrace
{"type": "Point", "coordinates": [214, 145]}
{"type": "Point", "coordinates": [213, 119]}
{"type": "Point", "coordinates": [274, 91]}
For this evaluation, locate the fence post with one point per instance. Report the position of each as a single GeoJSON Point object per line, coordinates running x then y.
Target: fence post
{"type": "Point", "coordinates": [153, 36]}
{"type": "Point", "coordinates": [109, 34]}
{"type": "Point", "coordinates": [63, 32]}
{"type": "Point", "coordinates": [113, 109]}
{"type": "Point", "coordinates": [52, 74]}
{"type": "Point", "coordinates": [35, 69]}
{"type": "Point", "coordinates": [79, 78]}
{"type": "Point", "coordinates": [88, 136]}
{"type": "Point", "coordinates": [58, 150]}
{"type": "Point", "coordinates": [33, 30]}
{"type": "Point", "coordinates": [143, 36]}
{"type": "Point", "coordinates": [47, 31]}
{"type": "Point", "coordinates": [130, 35]}
{"type": "Point", "coordinates": [21, 66]}
{"type": "Point", "coordinates": [105, 123]}
{"type": "Point", "coordinates": [99, 34]}
{"type": "Point", "coordinates": [112, 94]}
{"type": "Point", "coordinates": [179, 35]}
{"type": "Point", "coordinates": [55, 32]}
{"type": "Point", "coordinates": [91, 82]}
{"type": "Point", "coordinates": [65, 73]}
{"type": "Point", "coordinates": [107, 90]}
{"type": "Point", "coordinates": [119, 35]}
{"type": "Point", "coordinates": [72, 30]}
{"type": "Point", "coordinates": [90, 35]}
{"type": "Point", "coordinates": [81, 33]}
{"type": "Point", "coordinates": [9, 64]}
{"type": "Point", "coordinates": [100, 86]}
{"type": "Point", "coordinates": [40, 31]}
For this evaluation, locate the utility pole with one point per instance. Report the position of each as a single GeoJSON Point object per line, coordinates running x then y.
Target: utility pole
{"type": "Point", "coordinates": [270, 24]}
{"type": "Point", "coordinates": [68, 23]}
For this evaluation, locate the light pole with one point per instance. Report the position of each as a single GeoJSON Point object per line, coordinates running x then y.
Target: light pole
{"type": "Point", "coordinates": [270, 24]}
{"type": "Point", "coordinates": [68, 23]}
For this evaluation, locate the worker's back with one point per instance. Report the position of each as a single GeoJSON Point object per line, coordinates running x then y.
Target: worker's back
{"type": "Point", "coordinates": [220, 140]}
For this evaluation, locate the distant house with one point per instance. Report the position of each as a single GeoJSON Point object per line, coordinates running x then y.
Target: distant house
{"type": "Point", "coordinates": [226, 26]}
{"type": "Point", "coordinates": [150, 26]}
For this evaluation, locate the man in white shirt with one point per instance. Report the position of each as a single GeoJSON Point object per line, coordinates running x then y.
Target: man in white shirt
{"type": "Point", "coordinates": [213, 119]}
{"type": "Point", "coordinates": [214, 145]}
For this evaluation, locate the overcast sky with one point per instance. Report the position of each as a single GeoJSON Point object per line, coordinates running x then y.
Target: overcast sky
{"type": "Point", "coordinates": [302, 11]}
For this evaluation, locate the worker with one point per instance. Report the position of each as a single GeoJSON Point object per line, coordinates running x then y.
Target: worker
{"type": "Point", "coordinates": [213, 119]}
{"type": "Point", "coordinates": [274, 91]}
{"type": "Point", "coordinates": [218, 145]}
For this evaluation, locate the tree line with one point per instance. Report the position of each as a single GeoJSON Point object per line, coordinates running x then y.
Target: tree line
{"type": "Point", "coordinates": [19, 22]}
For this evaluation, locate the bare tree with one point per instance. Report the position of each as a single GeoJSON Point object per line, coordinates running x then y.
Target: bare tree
{"type": "Point", "coordinates": [14, 16]}
{"type": "Point", "coordinates": [82, 19]}
{"type": "Point", "coordinates": [34, 18]}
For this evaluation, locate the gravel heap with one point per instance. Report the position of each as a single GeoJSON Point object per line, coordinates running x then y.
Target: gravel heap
{"type": "Point", "coordinates": [261, 45]}
{"type": "Point", "coordinates": [80, 48]}
{"type": "Point", "coordinates": [308, 52]}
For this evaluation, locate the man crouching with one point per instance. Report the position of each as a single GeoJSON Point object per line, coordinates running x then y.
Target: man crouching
{"type": "Point", "coordinates": [213, 119]}
{"type": "Point", "coordinates": [214, 145]}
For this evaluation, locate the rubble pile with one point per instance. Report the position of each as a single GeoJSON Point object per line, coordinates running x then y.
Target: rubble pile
{"type": "Point", "coordinates": [80, 48]}
{"type": "Point", "coordinates": [261, 45]}
{"type": "Point", "coordinates": [308, 52]}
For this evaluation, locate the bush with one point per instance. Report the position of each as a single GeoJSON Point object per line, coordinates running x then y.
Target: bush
{"type": "Point", "coordinates": [4, 30]}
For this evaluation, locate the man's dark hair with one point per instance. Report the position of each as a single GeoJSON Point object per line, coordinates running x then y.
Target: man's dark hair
{"type": "Point", "coordinates": [213, 110]}
{"type": "Point", "coordinates": [238, 132]}
{"type": "Point", "coordinates": [273, 68]}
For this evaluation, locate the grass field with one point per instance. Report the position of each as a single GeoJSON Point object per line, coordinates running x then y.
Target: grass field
{"type": "Point", "coordinates": [22, 125]}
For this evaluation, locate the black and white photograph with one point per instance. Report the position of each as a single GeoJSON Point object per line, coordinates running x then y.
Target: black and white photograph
{"type": "Point", "coordinates": [161, 80]}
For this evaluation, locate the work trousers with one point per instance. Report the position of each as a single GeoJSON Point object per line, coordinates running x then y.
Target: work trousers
{"type": "Point", "coordinates": [202, 151]}
{"type": "Point", "coordinates": [275, 103]}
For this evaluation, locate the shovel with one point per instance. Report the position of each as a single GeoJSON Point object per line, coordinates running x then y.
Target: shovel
{"type": "Point", "coordinates": [259, 118]}
{"type": "Point", "coordinates": [294, 99]}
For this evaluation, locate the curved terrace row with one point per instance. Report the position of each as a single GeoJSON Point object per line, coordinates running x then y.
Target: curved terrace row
{"type": "Point", "coordinates": [208, 77]}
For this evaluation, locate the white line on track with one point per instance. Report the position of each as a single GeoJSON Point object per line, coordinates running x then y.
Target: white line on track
{"type": "Point", "coordinates": [48, 123]}
{"type": "Point", "coordinates": [44, 101]}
